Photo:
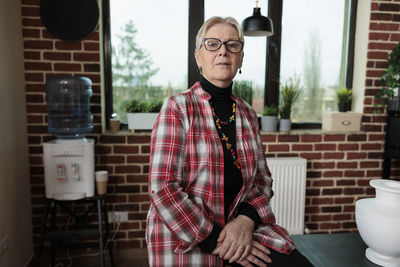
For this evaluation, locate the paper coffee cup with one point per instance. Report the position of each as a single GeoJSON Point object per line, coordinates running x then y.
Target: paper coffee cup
{"type": "Point", "coordinates": [114, 124]}
{"type": "Point", "coordinates": [101, 182]}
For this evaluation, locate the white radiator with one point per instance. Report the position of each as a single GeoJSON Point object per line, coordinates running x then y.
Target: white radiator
{"type": "Point", "coordinates": [289, 185]}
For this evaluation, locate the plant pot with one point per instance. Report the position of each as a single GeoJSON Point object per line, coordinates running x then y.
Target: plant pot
{"type": "Point", "coordinates": [141, 121]}
{"type": "Point", "coordinates": [378, 221]}
{"type": "Point", "coordinates": [269, 123]}
{"type": "Point", "coordinates": [343, 107]}
{"type": "Point", "coordinates": [394, 104]}
{"type": "Point", "coordinates": [285, 125]}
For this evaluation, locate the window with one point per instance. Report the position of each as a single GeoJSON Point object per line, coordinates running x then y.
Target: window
{"type": "Point", "coordinates": [158, 26]}
{"type": "Point", "coordinates": [312, 52]}
{"type": "Point", "coordinates": [148, 62]}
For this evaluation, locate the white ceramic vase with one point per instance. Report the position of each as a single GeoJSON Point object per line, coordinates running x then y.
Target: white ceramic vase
{"type": "Point", "coordinates": [378, 221]}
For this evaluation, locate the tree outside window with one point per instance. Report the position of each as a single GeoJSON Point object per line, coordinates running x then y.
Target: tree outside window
{"type": "Point", "coordinates": [314, 48]}
{"type": "Point", "coordinates": [149, 56]}
{"type": "Point", "coordinates": [132, 68]}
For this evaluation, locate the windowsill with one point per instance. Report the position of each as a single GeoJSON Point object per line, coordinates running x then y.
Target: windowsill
{"type": "Point", "coordinates": [311, 131]}
{"type": "Point", "coordinates": [126, 132]}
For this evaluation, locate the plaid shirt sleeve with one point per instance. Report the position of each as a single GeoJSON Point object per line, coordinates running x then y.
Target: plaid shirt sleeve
{"type": "Point", "coordinates": [185, 218]}
{"type": "Point", "coordinates": [261, 190]}
{"type": "Point", "coordinates": [259, 195]}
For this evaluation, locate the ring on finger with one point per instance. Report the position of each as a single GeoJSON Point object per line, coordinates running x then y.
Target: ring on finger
{"type": "Point", "coordinates": [242, 246]}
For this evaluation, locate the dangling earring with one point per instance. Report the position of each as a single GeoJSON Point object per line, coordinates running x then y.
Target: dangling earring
{"type": "Point", "coordinates": [197, 70]}
{"type": "Point", "coordinates": [240, 70]}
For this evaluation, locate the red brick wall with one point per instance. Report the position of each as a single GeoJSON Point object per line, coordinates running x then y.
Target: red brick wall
{"type": "Point", "coordinates": [339, 165]}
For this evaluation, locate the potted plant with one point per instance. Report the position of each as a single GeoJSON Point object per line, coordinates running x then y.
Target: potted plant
{"type": "Point", "coordinates": [388, 96]}
{"type": "Point", "coordinates": [269, 119]}
{"type": "Point", "coordinates": [290, 92]}
{"type": "Point", "coordinates": [142, 114]}
{"type": "Point", "coordinates": [244, 90]}
{"type": "Point", "coordinates": [344, 97]}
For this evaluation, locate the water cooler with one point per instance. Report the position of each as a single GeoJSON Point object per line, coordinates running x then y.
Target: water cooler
{"type": "Point", "coordinates": [69, 159]}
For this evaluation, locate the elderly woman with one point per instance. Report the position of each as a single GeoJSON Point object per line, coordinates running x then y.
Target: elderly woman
{"type": "Point", "coordinates": [208, 181]}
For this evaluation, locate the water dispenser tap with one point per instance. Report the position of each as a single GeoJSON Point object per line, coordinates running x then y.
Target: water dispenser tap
{"type": "Point", "coordinates": [75, 172]}
{"type": "Point", "coordinates": [60, 172]}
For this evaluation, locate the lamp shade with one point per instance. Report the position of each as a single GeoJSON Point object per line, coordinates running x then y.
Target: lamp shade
{"type": "Point", "coordinates": [257, 25]}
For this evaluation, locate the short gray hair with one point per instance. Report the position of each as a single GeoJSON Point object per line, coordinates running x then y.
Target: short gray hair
{"type": "Point", "coordinates": [217, 20]}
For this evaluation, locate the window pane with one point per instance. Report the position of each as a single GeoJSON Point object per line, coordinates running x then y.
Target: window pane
{"type": "Point", "coordinates": [312, 35]}
{"type": "Point", "coordinates": [253, 68]}
{"type": "Point", "coordinates": [149, 44]}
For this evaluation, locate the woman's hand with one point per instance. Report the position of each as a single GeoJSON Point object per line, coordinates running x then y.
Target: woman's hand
{"type": "Point", "coordinates": [258, 256]}
{"type": "Point", "coordinates": [235, 239]}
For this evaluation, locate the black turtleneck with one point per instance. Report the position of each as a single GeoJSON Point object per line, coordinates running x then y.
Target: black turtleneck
{"type": "Point", "coordinates": [221, 101]}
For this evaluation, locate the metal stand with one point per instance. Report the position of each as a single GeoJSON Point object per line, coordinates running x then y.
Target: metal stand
{"type": "Point", "coordinates": [79, 230]}
{"type": "Point", "coordinates": [392, 145]}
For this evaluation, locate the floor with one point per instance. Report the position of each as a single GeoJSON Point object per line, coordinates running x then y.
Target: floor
{"type": "Point", "coordinates": [132, 258]}
{"type": "Point", "coordinates": [137, 258]}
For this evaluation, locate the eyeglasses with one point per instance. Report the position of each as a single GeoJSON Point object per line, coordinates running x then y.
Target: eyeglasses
{"type": "Point", "coordinates": [212, 44]}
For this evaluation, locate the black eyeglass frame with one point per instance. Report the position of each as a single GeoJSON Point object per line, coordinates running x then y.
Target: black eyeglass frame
{"type": "Point", "coordinates": [220, 44]}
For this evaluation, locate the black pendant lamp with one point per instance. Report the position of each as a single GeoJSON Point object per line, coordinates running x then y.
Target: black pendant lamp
{"type": "Point", "coordinates": [257, 25]}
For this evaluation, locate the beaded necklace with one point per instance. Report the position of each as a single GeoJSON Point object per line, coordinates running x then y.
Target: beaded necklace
{"type": "Point", "coordinates": [225, 138]}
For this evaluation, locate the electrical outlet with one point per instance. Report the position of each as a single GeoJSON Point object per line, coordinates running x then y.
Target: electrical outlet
{"type": "Point", "coordinates": [117, 216]}
{"type": "Point", "coordinates": [3, 245]}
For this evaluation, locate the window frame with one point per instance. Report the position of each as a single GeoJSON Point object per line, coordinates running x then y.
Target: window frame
{"type": "Point", "coordinates": [273, 53]}
{"type": "Point", "coordinates": [108, 94]}
{"type": "Point", "coordinates": [196, 20]}
{"type": "Point", "coordinates": [271, 93]}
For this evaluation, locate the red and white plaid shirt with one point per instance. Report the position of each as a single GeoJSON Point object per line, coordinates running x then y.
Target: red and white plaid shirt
{"type": "Point", "coordinates": [186, 181]}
